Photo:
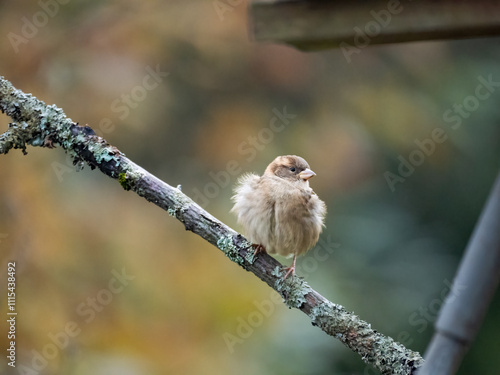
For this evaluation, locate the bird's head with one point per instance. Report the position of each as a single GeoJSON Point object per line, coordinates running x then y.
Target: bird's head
{"type": "Point", "coordinates": [291, 168]}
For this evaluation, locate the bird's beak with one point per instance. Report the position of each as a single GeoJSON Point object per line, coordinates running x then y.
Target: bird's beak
{"type": "Point", "coordinates": [306, 174]}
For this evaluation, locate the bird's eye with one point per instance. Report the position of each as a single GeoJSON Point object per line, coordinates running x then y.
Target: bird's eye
{"type": "Point", "coordinates": [292, 169]}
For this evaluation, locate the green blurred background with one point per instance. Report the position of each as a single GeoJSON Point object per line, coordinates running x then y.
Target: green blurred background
{"type": "Point", "coordinates": [391, 253]}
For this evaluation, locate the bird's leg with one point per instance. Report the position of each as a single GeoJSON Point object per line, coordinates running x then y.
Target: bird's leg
{"type": "Point", "coordinates": [258, 249]}
{"type": "Point", "coordinates": [291, 269]}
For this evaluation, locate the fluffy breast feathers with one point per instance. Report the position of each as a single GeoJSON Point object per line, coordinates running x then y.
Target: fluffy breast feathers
{"type": "Point", "coordinates": [284, 217]}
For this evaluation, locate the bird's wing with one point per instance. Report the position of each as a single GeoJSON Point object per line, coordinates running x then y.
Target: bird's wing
{"type": "Point", "coordinates": [254, 205]}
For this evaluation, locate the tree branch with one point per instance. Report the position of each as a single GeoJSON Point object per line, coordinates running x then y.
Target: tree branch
{"type": "Point", "coordinates": [39, 124]}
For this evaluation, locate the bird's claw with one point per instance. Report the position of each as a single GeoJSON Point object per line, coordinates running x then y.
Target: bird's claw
{"type": "Point", "coordinates": [289, 270]}
{"type": "Point", "coordinates": [258, 249]}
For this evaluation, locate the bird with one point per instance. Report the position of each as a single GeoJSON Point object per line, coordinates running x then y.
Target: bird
{"type": "Point", "coordinates": [279, 212]}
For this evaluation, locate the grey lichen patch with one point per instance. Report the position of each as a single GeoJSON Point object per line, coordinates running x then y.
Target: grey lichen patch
{"type": "Point", "coordinates": [226, 244]}
{"type": "Point", "coordinates": [133, 174]}
{"type": "Point", "coordinates": [346, 326]}
{"type": "Point", "coordinates": [181, 199]}
{"type": "Point", "coordinates": [177, 211]}
{"type": "Point", "coordinates": [323, 313]}
{"type": "Point", "coordinates": [341, 337]}
{"type": "Point", "coordinates": [376, 349]}
{"type": "Point", "coordinates": [279, 273]}
{"type": "Point", "coordinates": [37, 141]}
{"type": "Point", "coordinates": [393, 358]}
{"type": "Point", "coordinates": [181, 203]}
{"type": "Point", "coordinates": [105, 153]}
{"type": "Point", "coordinates": [250, 255]}
{"type": "Point", "coordinates": [293, 289]}
{"type": "Point", "coordinates": [16, 137]}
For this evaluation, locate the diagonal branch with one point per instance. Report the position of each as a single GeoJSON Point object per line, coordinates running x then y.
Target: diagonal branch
{"type": "Point", "coordinates": [39, 124]}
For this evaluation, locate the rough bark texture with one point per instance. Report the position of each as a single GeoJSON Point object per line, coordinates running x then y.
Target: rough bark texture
{"type": "Point", "coordinates": [38, 124]}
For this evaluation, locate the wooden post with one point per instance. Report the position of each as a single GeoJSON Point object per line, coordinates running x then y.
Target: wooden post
{"type": "Point", "coordinates": [320, 24]}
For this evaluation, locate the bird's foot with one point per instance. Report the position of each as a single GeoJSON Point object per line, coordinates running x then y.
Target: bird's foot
{"type": "Point", "coordinates": [289, 270]}
{"type": "Point", "coordinates": [258, 249]}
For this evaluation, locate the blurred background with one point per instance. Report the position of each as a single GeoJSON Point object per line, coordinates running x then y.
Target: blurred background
{"type": "Point", "coordinates": [108, 283]}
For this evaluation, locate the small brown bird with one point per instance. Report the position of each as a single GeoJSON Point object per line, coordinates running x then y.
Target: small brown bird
{"type": "Point", "coordinates": [279, 212]}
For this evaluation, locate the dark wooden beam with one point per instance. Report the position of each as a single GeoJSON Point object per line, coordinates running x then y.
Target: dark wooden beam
{"type": "Point", "coordinates": [321, 24]}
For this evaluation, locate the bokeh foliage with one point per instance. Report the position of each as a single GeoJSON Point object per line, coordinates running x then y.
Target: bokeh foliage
{"type": "Point", "coordinates": [396, 250]}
